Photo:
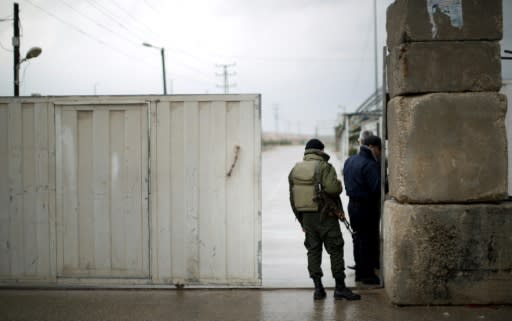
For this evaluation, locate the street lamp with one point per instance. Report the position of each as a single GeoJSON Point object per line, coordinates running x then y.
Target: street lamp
{"type": "Point", "coordinates": [32, 53]}
{"type": "Point", "coordinates": [162, 52]}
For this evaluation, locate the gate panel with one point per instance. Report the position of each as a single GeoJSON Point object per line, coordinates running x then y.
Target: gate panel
{"type": "Point", "coordinates": [241, 191]}
{"type": "Point", "coordinates": [75, 203]}
{"type": "Point", "coordinates": [25, 249]}
{"type": "Point", "coordinates": [212, 175]}
{"type": "Point", "coordinates": [102, 217]}
{"type": "Point", "coordinates": [208, 223]}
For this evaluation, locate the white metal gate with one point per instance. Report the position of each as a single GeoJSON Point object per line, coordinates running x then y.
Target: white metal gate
{"type": "Point", "coordinates": [102, 213]}
{"type": "Point", "coordinates": [207, 205]}
{"type": "Point", "coordinates": [130, 190]}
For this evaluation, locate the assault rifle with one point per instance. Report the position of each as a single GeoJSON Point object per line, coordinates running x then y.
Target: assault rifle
{"type": "Point", "coordinates": [331, 205]}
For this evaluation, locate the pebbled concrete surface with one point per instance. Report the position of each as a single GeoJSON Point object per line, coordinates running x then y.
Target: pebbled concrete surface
{"type": "Point", "coordinates": [224, 305]}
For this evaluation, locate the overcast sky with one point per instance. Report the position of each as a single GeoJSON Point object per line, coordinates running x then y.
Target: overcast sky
{"type": "Point", "coordinates": [308, 57]}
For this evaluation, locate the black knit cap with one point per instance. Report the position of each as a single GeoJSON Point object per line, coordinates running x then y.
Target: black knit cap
{"type": "Point", "coordinates": [372, 140]}
{"type": "Point", "coordinates": [315, 144]}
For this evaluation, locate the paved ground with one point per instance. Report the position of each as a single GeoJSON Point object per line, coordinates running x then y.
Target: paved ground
{"type": "Point", "coordinates": [284, 255]}
{"type": "Point", "coordinates": [190, 305]}
{"type": "Point", "coordinates": [284, 265]}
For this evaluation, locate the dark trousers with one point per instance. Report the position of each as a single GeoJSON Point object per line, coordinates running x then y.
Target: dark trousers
{"type": "Point", "coordinates": [320, 232]}
{"type": "Point", "coordinates": [364, 218]}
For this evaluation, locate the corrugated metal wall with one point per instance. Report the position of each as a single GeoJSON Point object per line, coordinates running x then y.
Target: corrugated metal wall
{"type": "Point", "coordinates": [102, 175]}
{"type": "Point", "coordinates": [26, 190]}
{"type": "Point", "coordinates": [130, 190]}
{"type": "Point", "coordinates": [212, 234]}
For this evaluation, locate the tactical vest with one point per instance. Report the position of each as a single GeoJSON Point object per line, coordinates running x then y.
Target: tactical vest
{"type": "Point", "coordinates": [305, 177]}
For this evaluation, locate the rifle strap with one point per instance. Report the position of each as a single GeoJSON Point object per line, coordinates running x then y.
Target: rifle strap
{"type": "Point", "coordinates": [317, 180]}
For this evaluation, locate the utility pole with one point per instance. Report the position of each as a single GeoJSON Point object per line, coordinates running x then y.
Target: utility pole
{"type": "Point", "coordinates": [225, 74]}
{"type": "Point", "coordinates": [376, 73]}
{"type": "Point", "coordinates": [162, 52]}
{"type": "Point", "coordinates": [347, 135]}
{"type": "Point", "coordinates": [276, 117]}
{"type": "Point", "coordinates": [16, 46]}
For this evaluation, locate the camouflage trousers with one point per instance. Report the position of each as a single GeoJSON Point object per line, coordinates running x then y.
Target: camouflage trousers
{"type": "Point", "coordinates": [323, 232]}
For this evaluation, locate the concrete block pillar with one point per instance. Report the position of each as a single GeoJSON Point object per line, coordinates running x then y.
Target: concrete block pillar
{"type": "Point", "coordinates": [448, 253]}
{"type": "Point", "coordinates": [447, 230]}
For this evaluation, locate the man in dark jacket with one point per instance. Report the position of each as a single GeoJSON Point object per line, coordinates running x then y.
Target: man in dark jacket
{"type": "Point", "coordinates": [307, 178]}
{"type": "Point", "coordinates": [361, 174]}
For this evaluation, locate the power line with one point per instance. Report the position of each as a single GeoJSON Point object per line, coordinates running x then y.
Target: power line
{"type": "Point", "coordinates": [186, 53]}
{"type": "Point", "coordinates": [111, 15]}
{"type": "Point", "coordinates": [192, 68]}
{"type": "Point", "coordinates": [151, 6]}
{"type": "Point", "coordinates": [194, 78]}
{"type": "Point", "coordinates": [130, 40]}
{"type": "Point", "coordinates": [289, 59]}
{"type": "Point", "coordinates": [106, 12]}
{"type": "Point", "coordinates": [80, 30]}
{"type": "Point", "coordinates": [99, 24]}
{"type": "Point", "coordinates": [4, 48]}
{"type": "Point", "coordinates": [8, 18]}
{"type": "Point", "coordinates": [92, 37]}
{"type": "Point", "coordinates": [197, 58]}
{"type": "Point", "coordinates": [128, 13]}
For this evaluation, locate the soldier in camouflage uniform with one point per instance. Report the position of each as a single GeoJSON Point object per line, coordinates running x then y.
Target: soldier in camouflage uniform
{"type": "Point", "coordinates": [307, 178]}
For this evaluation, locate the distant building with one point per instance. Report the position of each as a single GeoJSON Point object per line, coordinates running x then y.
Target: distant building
{"type": "Point", "coordinates": [368, 116]}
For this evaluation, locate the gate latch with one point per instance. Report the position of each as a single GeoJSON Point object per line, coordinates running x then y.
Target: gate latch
{"type": "Point", "coordinates": [237, 152]}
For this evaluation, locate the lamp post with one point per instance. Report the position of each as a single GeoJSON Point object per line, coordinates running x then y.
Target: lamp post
{"type": "Point", "coordinates": [32, 53]}
{"type": "Point", "coordinates": [162, 52]}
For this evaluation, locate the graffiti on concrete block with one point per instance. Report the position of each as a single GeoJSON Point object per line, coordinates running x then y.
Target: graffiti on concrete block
{"type": "Point", "coordinates": [450, 8]}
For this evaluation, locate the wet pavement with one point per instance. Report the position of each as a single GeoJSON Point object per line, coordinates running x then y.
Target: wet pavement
{"type": "Point", "coordinates": [284, 266]}
{"type": "Point", "coordinates": [284, 255]}
{"type": "Point", "coordinates": [290, 304]}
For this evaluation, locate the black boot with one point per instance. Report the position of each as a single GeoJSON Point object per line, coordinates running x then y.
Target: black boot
{"type": "Point", "coordinates": [342, 292]}
{"type": "Point", "coordinates": [319, 289]}
{"type": "Point", "coordinates": [371, 280]}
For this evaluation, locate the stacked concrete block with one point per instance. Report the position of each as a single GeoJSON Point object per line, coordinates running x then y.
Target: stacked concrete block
{"type": "Point", "coordinates": [448, 148]}
{"type": "Point", "coordinates": [420, 21]}
{"type": "Point", "coordinates": [448, 254]}
{"type": "Point", "coordinates": [458, 66]}
{"type": "Point", "coordinates": [439, 46]}
{"type": "Point", "coordinates": [447, 155]}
